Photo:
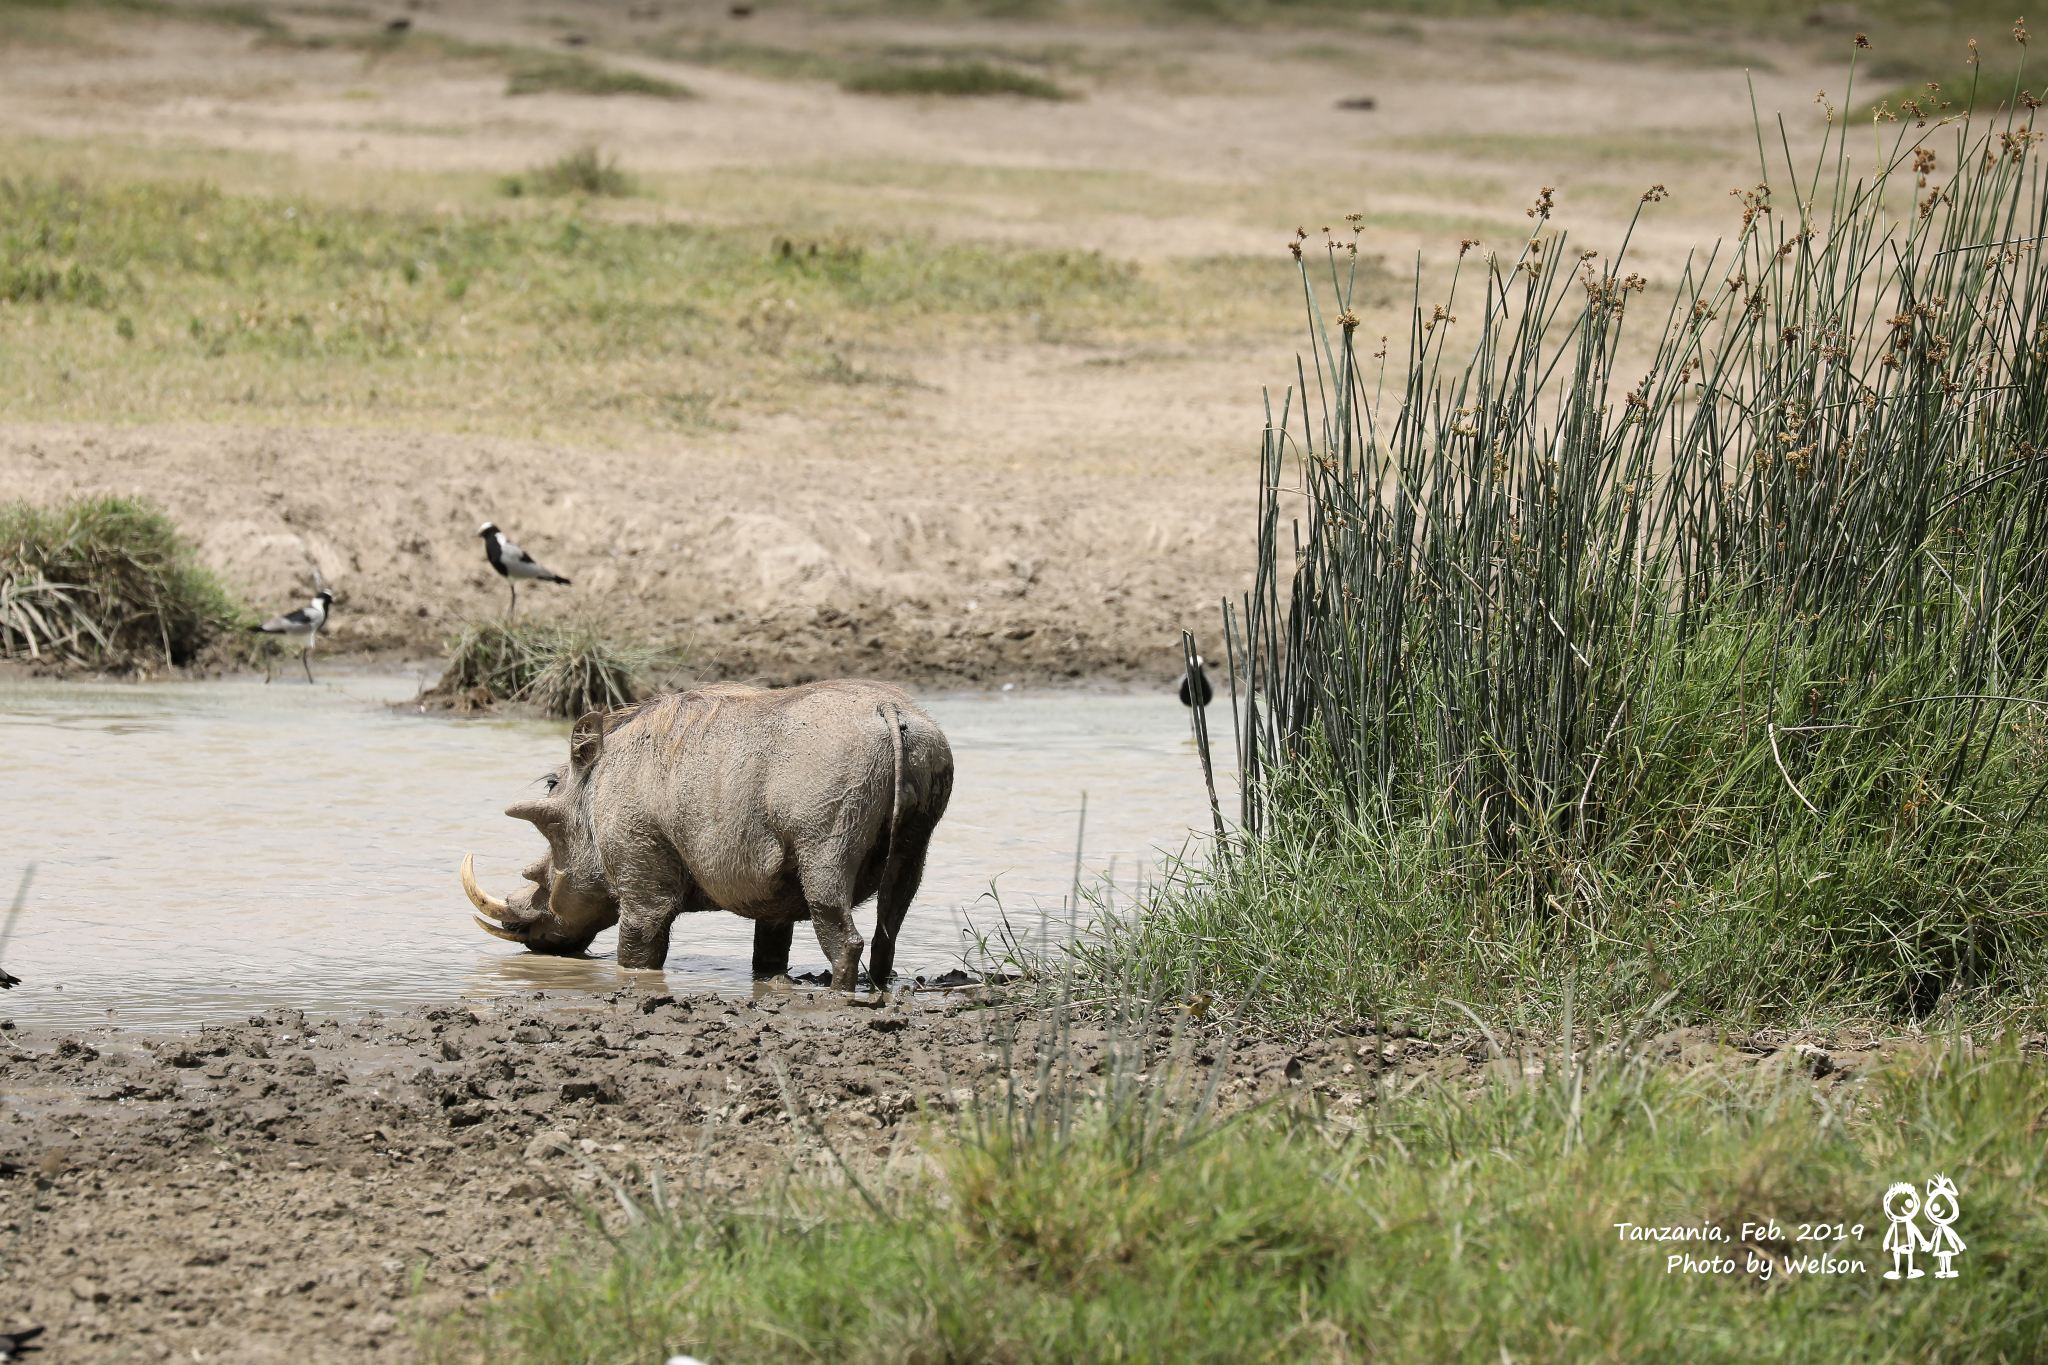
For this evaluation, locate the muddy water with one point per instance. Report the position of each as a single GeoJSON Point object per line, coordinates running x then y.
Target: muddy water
{"type": "Point", "coordinates": [205, 850]}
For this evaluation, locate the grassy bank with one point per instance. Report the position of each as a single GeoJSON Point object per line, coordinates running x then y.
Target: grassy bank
{"type": "Point", "coordinates": [1443, 1228]}
{"type": "Point", "coordinates": [105, 582]}
{"type": "Point", "coordinates": [146, 300]}
{"type": "Point", "coordinates": [1725, 677]}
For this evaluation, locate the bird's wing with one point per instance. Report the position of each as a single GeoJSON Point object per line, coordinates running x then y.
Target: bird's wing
{"type": "Point", "coordinates": [513, 552]}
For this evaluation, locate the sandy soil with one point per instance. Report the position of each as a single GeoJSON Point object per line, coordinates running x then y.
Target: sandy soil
{"type": "Point", "coordinates": [304, 1190]}
{"type": "Point", "coordinates": [962, 543]}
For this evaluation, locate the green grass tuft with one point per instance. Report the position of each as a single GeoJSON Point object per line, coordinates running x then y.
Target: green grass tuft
{"type": "Point", "coordinates": [104, 581]}
{"type": "Point", "coordinates": [585, 170]}
{"type": "Point", "coordinates": [564, 670]}
{"type": "Point", "coordinates": [540, 73]}
{"type": "Point", "coordinates": [952, 79]}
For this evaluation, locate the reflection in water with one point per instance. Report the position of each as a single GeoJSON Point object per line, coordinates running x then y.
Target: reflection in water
{"type": "Point", "coordinates": [207, 850]}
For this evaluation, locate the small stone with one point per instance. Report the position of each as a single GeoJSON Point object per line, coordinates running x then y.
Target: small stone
{"type": "Point", "coordinates": [547, 1144]}
{"type": "Point", "coordinates": [1815, 1060]}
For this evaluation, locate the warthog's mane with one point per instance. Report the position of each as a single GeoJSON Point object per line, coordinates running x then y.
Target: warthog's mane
{"type": "Point", "coordinates": [676, 715]}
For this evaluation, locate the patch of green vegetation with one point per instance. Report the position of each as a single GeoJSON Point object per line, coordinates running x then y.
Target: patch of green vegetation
{"type": "Point", "coordinates": [1435, 1226]}
{"type": "Point", "coordinates": [701, 48]}
{"type": "Point", "coordinates": [540, 312]}
{"type": "Point", "coordinates": [562, 669]}
{"type": "Point", "coordinates": [1554, 148]}
{"type": "Point", "coordinates": [952, 79]}
{"type": "Point", "coordinates": [105, 582]}
{"type": "Point", "coordinates": [1630, 51]}
{"type": "Point", "coordinates": [586, 170]}
{"type": "Point", "coordinates": [1943, 90]}
{"type": "Point", "coordinates": [544, 72]}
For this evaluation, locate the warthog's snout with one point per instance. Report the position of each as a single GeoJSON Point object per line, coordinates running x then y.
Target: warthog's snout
{"type": "Point", "coordinates": [528, 918]}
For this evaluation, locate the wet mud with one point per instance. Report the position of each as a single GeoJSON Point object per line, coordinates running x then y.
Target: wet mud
{"type": "Point", "coordinates": [302, 1189]}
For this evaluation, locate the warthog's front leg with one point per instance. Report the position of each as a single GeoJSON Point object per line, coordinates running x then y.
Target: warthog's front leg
{"type": "Point", "coordinates": [771, 948]}
{"type": "Point", "coordinates": [648, 904]}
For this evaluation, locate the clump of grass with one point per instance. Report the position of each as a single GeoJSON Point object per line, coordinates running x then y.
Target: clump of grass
{"type": "Point", "coordinates": [1728, 677]}
{"type": "Point", "coordinates": [586, 170]}
{"type": "Point", "coordinates": [564, 670]}
{"type": "Point", "coordinates": [541, 72]}
{"type": "Point", "coordinates": [953, 79]}
{"type": "Point", "coordinates": [1466, 1228]}
{"type": "Point", "coordinates": [104, 581]}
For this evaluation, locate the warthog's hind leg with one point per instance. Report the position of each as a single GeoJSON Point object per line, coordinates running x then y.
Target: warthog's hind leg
{"type": "Point", "coordinates": [900, 879]}
{"type": "Point", "coordinates": [828, 891]}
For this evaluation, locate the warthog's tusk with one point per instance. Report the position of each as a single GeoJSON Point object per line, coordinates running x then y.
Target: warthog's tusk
{"type": "Point", "coordinates": [497, 909]}
{"type": "Point", "coordinates": [497, 930]}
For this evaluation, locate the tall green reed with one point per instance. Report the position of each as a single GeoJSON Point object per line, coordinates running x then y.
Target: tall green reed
{"type": "Point", "coordinates": [1583, 641]}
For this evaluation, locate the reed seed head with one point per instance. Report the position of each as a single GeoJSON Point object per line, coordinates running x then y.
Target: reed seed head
{"type": "Point", "coordinates": [1656, 194]}
{"type": "Point", "coordinates": [1864, 42]}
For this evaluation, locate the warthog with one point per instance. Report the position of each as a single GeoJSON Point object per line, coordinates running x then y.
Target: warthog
{"type": "Point", "coordinates": [777, 805]}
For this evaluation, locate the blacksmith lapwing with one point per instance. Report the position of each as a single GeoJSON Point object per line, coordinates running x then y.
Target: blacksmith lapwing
{"type": "Point", "coordinates": [302, 625]}
{"type": "Point", "coordinates": [513, 564]}
{"type": "Point", "coordinates": [14, 1343]}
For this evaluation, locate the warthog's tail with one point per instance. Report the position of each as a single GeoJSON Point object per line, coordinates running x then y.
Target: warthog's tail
{"type": "Point", "coordinates": [892, 716]}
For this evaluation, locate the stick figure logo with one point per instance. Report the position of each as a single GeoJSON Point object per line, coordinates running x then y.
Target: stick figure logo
{"type": "Point", "coordinates": [1902, 1205]}
{"type": "Point", "coordinates": [1944, 1202]}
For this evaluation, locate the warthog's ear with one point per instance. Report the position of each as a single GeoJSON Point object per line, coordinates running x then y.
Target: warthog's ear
{"type": "Point", "coordinates": [586, 740]}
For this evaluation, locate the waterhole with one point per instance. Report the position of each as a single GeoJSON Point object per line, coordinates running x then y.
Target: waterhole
{"type": "Point", "coordinates": [204, 851]}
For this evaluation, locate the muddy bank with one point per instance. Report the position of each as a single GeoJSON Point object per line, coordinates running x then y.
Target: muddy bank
{"type": "Point", "coordinates": [299, 1189]}
{"type": "Point", "coordinates": [778, 569]}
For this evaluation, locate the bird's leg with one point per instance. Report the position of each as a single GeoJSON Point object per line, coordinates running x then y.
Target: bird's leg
{"type": "Point", "coordinates": [514, 609]}
{"type": "Point", "coordinates": [306, 661]}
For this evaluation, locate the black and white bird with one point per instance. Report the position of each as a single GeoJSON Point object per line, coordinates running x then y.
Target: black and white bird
{"type": "Point", "coordinates": [1194, 687]}
{"type": "Point", "coordinates": [513, 564]}
{"type": "Point", "coordinates": [13, 1343]}
{"type": "Point", "coordinates": [303, 626]}
{"type": "Point", "coordinates": [8, 980]}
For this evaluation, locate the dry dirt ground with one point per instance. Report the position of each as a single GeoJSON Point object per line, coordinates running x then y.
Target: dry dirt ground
{"type": "Point", "coordinates": [301, 1190]}
{"type": "Point", "coordinates": [1024, 510]}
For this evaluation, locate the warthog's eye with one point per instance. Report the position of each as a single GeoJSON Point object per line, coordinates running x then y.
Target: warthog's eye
{"type": "Point", "coordinates": [552, 782]}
